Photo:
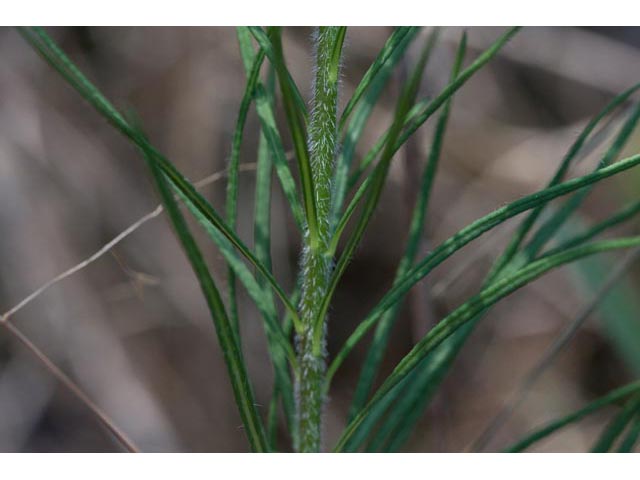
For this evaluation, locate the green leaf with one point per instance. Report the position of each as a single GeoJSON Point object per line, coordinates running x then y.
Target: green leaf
{"type": "Point", "coordinates": [381, 337]}
{"type": "Point", "coordinates": [615, 428]}
{"type": "Point", "coordinates": [560, 173]}
{"type": "Point", "coordinates": [232, 182]}
{"type": "Point", "coordinates": [378, 181]}
{"type": "Point", "coordinates": [611, 279]}
{"type": "Point", "coordinates": [623, 215]}
{"type": "Point", "coordinates": [613, 397]}
{"type": "Point", "coordinates": [470, 309]}
{"type": "Point", "coordinates": [466, 235]}
{"type": "Point", "coordinates": [443, 358]}
{"type": "Point", "coordinates": [272, 53]}
{"type": "Point", "coordinates": [355, 127]}
{"type": "Point", "coordinates": [255, 291]}
{"type": "Point", "coordinates": [272, 136]}
{"type": "Point", "coordinates": [410, 400]}
{"type": "Point", "coordinates": [262, 204]}
{"type": "Point", "coordinates": [415, 121]}
{"type": "Point", "coordinates": [336, 54]}
{"type": "Point", "coordinates": [296, 121]}
{"type": "Point", "coordinates": [226, 337]}
{"type": "Point", "coordinates": [363, 189]}
{"type": "Point", "coordinates": [375, 150]}
{"type": "Point", "coordinates": [394, 46]}
{"type": "Point", "coordinates": [46, 47]}
{"type": "Point", "coordinates": [630, 440]}
{"type": "Point", "coordinates": [262, 240]}
{"type": "Point", "coordinates": [551, 226]}
{"type": "Point", "coordinates": [265, 110]}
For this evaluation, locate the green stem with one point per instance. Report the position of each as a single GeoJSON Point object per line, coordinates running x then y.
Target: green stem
{"type": "Point", "coordinates": [316, 262]}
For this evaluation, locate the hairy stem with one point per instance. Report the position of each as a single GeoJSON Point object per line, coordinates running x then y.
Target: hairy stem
{"type": "Point", "coordinates": [316, 262]}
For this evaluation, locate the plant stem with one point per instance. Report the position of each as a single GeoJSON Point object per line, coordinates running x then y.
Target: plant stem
{"type": "Point", "coordinates": [316, 260]}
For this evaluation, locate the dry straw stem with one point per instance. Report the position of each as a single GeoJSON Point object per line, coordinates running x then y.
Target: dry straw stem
{"type": "Point", "coordinates": [70, 385]}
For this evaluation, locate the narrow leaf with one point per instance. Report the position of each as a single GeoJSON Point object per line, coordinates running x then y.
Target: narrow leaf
{"type": "Point", "coordinates": [468, 234]}
{"type": "Point", "coordinates": [383, 329]}
{"type": "Point", "coordinates": [296, 121]}
{"type": "Point", "coordinates": [630, 440]}
{"type": "Point", "coordinates": [379, 176]}
{"type": "Point", "coordinates": [420, 117]}
{"type": "Point", "coordinates": [615, 428]}
{"type": "Point", "coordinates": [46, 47]}
{"type": "Point", "coordinates": [232, 182]}
{"type": "Point", "coordinates": [615, 396]}
{"type": "Point", "coordinates": [560, 173]}
{"type": "Point", "coordinates": [553, 224]}
{"type": "Point", "coordinates": [355, 127]}
{"type": "Point", "coordinates": [394, 44]}
{"type": "Point", "coordinates": [465, 313]}
{"type": "Point", "coordinates": [270, 50]}
{"type": "Point", "coordinates": [226, 337]}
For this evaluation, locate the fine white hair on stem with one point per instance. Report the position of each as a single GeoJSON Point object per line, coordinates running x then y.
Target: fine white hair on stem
{"type": "Point", "coordinates": [315, 262]}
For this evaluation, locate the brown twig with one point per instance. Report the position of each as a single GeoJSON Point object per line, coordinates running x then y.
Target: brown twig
{"type": "Point", "coordinates": [70, 385]}
{"type": "Point", "coordinates": [102, 417]}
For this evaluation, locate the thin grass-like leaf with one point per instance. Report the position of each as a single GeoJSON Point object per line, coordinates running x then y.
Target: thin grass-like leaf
{"type": "Point", "coordinates": [378, 181]}
{"type": "Point", "coordinates": [465, 313]}
{"type": "Point", "coordinates": [618, 313]}
{"type": "Point", "coordinates": [226, 337]}
{"type": "Point", "coordinates": [443, 358]}
{"type": "Point", "coordinates": [265, 110]}
{"type": "Point", "coordinates": [262, 205]}
{"type": "Point", "coordinates": [240, 269]}
{"type": "Point", "coordinates": [466, 235]}
{"type": "Point", "coordinates": [548, 229]}
{"type": "Point", "coordinates": [283, 387]}
{"type": "Point", "coordinates": [616, 426]}
{"type": "Point", "coordinates": [409, 406]}
{"type": "Point", "coordinates": [363, 189]}
{"type": "Point", "coordinates": [450, 89]}
{"type": "Point", "coordinates": [262, 247]}
{"type": "Point", "coordinates": [631, 438]}
{"type": "Point", "coordinates": [383, 329]}
{"type": "Point", "coordinates": [272, 136]}
{"type": "Point", "coordinates": [336, 54]}
{"type": "Point", "coordinates": [280, 349]}
{"type": "Point", "coordinates": [296, 122]}
{"type": "Point", "coordinates": [48, 49]}
{"type": "Point", "coordinates": [232, 182]}
{"type": "Point", "coordinates": [528, 380]}
{"type": "Point", "coordinates": [615, 396]}
{"type": "Point", "coordinates": [355, 127]}
{"type": "Point", "coordinates": [377, 147]}
{"type": "Point", "coordinates": [247, 51]}
{"type": "Point", "coordinates": [397, 42]}
{"type": "Point", "coordinates": [413, 123]}
{"type": "Point", "coordinates": [266, 43]}
{"type": "Point", "coordinates": [625, 214]}
{"type": "Point", "coordinates": [572, 153]}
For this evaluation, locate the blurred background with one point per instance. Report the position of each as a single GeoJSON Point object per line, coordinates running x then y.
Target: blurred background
{"type": "Point", "coordinates": [131, 328]}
